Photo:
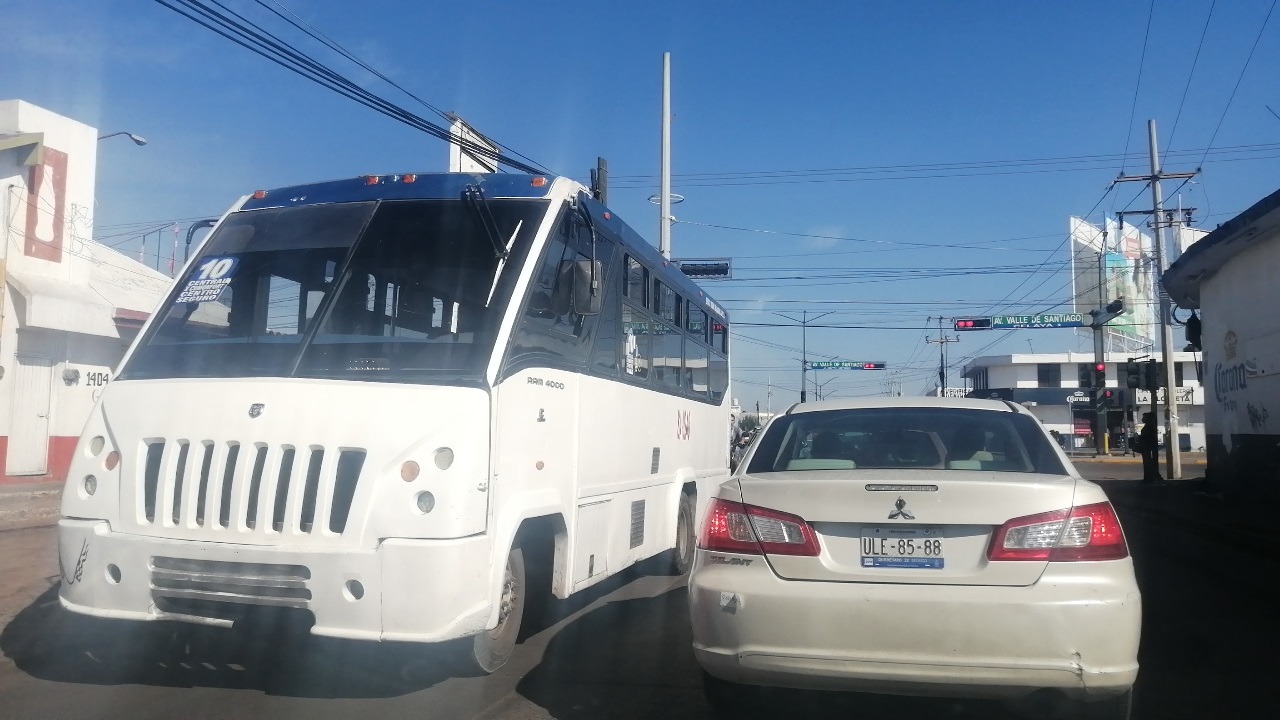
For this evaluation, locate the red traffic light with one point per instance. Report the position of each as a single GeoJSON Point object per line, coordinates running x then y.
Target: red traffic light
{"type": "Point", "coordinates": [973, 324]}
{"type": "Point", "coordinates": [1101, 367]}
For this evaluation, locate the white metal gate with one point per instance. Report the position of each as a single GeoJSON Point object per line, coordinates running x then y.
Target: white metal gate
{"type": "Point", "coordinates": [29, 424]}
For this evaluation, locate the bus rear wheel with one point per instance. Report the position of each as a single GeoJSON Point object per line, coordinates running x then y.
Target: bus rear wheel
{"type": "Point", "coordinates": [492, 649]}
{"type": "Point", "coordinates": [682, 556]}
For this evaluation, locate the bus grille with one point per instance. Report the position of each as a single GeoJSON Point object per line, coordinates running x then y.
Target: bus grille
{"type": "Point", "coordinates": [249, 488]}
{"type": "Point", "coordinates": [194, 582]}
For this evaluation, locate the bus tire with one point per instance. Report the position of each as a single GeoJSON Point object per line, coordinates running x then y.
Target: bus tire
{"type": "Point", "coordinates": [491, 649]}
{"type": "Point", "coordinates": [682, 555]}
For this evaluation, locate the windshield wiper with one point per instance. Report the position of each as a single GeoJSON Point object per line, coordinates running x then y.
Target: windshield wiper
{"type": "Point", "coordinates": [480, 204]}
{"type": "Point", "coordinates": [475, 198]}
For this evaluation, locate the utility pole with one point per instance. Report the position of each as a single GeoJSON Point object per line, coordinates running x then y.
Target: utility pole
{"type": "Point", "coordinates": [804, 348]}
{"type": "Point", "coordinates": [1173, 457]}
{"type": "Point", "coordinates": [942, 343]}
{"type": "Point", "coordinates": [664, 201]}
{"type": "Point", "coordinates": [1099, 344]}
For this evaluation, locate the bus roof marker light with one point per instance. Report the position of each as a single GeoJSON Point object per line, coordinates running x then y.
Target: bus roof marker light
{"type": "Point", "coordinates": [372, 180]}
{"type": "Point", "coordinates": [259, 194]}
{"type": "Point", "coordinates": [410, 178]}
{"type": "Point", "coordinates": [539, 182]}
{"type": "Point", "coordinates": [608, 215]}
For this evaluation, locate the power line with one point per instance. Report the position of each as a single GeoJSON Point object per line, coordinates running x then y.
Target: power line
{"type": "Point", "coordinates": [1137, 85]}
{"type": "Point", "coordinates": [261, 42]}
{"type": "Point", "coordinates": [1261, 29]}
{"type": "Point", "coordinates": [311, 30]}
{"type": "Point", "coordinates": [1185, 89]}
{"type": "Point", "coordinates": [1107, 160]}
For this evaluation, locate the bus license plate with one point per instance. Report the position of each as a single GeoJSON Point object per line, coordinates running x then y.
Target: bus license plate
{"type": "Point", "coordinates": [901, 547]}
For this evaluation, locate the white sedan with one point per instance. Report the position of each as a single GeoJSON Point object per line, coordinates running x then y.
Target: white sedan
{"type": "Point", "coordinates": [916, 547]}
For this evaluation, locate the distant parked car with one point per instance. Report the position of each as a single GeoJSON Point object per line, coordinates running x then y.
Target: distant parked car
{"type": "Point", "coordinates": [915, 546]}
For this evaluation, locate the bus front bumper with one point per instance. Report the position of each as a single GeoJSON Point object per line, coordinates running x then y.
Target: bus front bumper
{"type": "Point", "coordinates": [405, 590]}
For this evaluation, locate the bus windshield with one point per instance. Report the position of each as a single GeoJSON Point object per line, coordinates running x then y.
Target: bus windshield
{"type": "Point", "coordinates": [408, 291]}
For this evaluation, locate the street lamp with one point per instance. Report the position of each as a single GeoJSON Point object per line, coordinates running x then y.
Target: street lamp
{"type": "Point", "coordinates": [137, 139]}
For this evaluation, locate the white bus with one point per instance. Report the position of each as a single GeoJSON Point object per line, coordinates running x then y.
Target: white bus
{"type": "Point", "coordinates": [401, 404]}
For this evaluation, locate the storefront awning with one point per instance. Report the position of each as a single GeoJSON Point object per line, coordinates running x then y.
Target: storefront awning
{"type": "Point", "coordinates": [56, 304]}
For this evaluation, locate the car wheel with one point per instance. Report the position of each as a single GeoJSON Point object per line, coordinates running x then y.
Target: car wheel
{"type": "Point", "coordinates": [1117, 707]}
{"type": "Point", "coordinates": [491, 649]}
{"type": "Point", "coordinates": [682, 556]}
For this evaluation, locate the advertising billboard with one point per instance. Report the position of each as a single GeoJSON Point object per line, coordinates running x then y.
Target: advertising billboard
{"type": "Point", "coordinates": [1124, 257]}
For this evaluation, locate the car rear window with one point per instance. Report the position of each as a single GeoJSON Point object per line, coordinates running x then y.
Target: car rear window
{"type": "Point", "coordinates": [906, 438]}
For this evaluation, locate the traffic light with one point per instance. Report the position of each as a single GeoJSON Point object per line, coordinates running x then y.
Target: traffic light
{"type": "Point", "coordinates": [1104, 398]}
{"type": "Point", "coordinates": [973, 324]}
{"type": "Point", "coordinates": [1132, 374]}
{"type": "Point", "coordinates": [1154, 375]}
{"type": "Point", "coordinates": [1100, 375]}
{"type": "Point", "coordinates": [1086, 376]}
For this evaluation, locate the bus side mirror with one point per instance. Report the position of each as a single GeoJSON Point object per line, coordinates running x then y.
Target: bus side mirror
{"type": "Point", "coordinates": [585, 282]}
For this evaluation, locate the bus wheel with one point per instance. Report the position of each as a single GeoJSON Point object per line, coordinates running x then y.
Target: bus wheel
{"type": "Point", "coordinates": [492, 649]}
{"type": "Point", "coordinates": [682, 556]}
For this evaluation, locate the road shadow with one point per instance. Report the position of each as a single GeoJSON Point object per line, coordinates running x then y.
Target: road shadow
{"type": "Point", "coordinates": [272, 653]}
{"type": "Point", "coordinates": [634, 659]}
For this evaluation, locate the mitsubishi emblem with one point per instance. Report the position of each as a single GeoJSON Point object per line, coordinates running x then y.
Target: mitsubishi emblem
{"type": "Point", "coordinates": [902, 513]}
{"type": "Point", "coordinates": [255, 410]}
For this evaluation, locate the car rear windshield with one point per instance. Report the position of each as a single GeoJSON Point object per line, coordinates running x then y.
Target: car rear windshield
{"type": "Point", "coordinates": [906, 439]}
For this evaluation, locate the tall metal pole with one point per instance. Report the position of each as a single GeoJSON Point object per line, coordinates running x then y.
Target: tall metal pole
{"type": "Point", "coordinates": [804, 355]}
{"type": "Point", "coordinates": [664, 203]}
{"type": "Point", "coordinates": [1173, 457]}
{"type": "Point", "coordinates": [1099, 343]}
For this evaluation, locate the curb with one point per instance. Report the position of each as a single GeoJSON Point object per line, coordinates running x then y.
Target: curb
{"type": "Point", "coordinates": [30, 506]}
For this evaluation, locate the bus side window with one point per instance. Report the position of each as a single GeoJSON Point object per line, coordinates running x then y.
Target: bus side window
{"type": "Point", "coordinates": [548, 322]}
{"type": "Point", "coordinates": [637, 352]}
{"type": "Point", "coordinates": [636, 282]}
{"type": "Point", "coordinates": [604, 356]}
{"type": "Point", "coordinates": [697, 378]}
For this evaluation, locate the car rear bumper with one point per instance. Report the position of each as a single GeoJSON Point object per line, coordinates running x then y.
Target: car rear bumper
{"type": "Point", "coordinates": [408, 590]}
{"type": "Point", "coordinates": [1076, 630]}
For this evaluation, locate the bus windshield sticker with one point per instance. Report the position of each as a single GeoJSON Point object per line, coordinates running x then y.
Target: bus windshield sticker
{"type": "Point", "coordinates": [212, 276]}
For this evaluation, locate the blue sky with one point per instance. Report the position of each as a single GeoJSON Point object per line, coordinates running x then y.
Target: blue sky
{"type": "Point", "coordinates": [759, 87]}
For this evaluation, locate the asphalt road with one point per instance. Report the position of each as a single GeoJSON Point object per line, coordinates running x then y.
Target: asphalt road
{"type": "Point", "coordinates": [620, 650]}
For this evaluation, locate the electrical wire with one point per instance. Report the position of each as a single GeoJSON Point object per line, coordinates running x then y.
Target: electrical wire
{"type": "Point", "coordinates": [265, 44]}
{"type": "Point", "coordinates": [1137, 85]}
{"type": "Point", "coordinates": [1191, 74]}
{"type": "Point", "coordinates": [1261, 29]}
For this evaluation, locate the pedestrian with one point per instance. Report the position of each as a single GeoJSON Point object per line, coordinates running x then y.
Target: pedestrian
{"type": "Point", "coordinates": [1149, 446]}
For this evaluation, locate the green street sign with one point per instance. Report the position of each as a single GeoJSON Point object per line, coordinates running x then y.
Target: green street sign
{"type": "Point", "coordinates": [1062, 320]}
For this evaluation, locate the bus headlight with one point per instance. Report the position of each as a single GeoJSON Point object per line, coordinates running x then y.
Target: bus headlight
{"type": "Point", "coordinates": [444, 458]}
{"type": "Point", "coordinates": [426, 502]}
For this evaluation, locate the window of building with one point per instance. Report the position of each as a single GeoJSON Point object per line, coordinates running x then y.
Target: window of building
{"type": "Point", "coordinates": [1177, 374]}
{"type": "Point", "coordinates": [1049, 375]}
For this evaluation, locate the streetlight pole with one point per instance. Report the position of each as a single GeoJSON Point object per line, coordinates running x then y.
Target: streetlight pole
{"type": "Point", "coordinates": [137, 139]}
{"type": "Point", "coordinates": [804, 347]}
{"type": "Point", "coordinates": [664, 203]}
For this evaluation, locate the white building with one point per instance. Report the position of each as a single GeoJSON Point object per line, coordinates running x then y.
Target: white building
{"type": "Point", "coordinates": [69, 306]}
{"type": "Point", "coordinates": [1232, 275]}
{"type": "Point", "coordinates": [1048, 384]}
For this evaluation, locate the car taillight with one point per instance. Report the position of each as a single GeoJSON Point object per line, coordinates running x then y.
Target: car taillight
{"type": "Point", "coordinates": [750, 530]}
{"type": "Point", "coordinates": [1087, 532]}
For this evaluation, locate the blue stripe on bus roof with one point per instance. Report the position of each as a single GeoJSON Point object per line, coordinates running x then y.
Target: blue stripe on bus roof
{"type": "Point", "coordinates": [429, 186]}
